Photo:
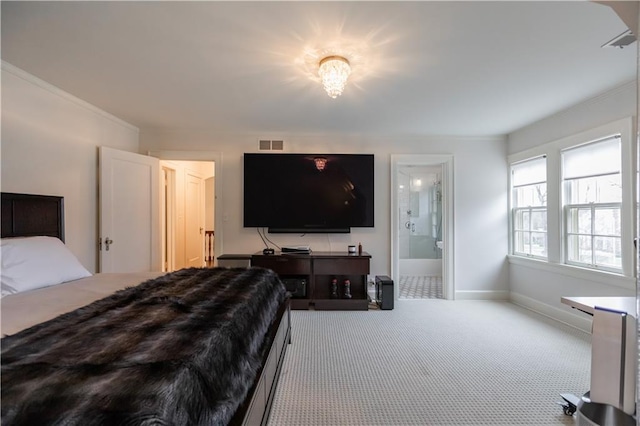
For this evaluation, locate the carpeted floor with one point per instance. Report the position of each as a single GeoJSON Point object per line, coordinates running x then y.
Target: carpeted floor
{"type": "Point", "coordinates": [430, 362]}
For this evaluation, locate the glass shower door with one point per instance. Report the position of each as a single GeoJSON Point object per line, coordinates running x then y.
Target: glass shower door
{"type": "Point", "coordinates": [418, 225]}
{"type": "Point", "coordinates": [420, 219]}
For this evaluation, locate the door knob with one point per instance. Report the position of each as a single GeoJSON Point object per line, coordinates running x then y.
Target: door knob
{"type": "Point", "coordinates": [107, 242]}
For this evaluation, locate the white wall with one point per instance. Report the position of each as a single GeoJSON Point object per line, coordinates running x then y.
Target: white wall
{"type": "Point", "coordinates": [541, 287]}
{"type": "Point", "coordinates": [480, 197]}
{"type": "Point", "coordinates": [50, 146]}
{"type": "Point", "coordinates": [610, 106]}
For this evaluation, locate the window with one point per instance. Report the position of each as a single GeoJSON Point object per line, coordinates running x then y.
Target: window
{"type": "Point", "coordinates": [572, 205]}
{"type": "Point", "coordinates": [529, 208]}
{"type": "Point", "coordinates": [592, 194]}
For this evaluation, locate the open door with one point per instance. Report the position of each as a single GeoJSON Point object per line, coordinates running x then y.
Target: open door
{"type": "Point", "coordinates": [129, 212]}
{"type": "Point", "coordinates": [194, 220]}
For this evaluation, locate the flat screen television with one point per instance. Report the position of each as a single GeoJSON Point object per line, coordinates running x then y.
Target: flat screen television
{"type": "Point", "coordinates": [308, 193]}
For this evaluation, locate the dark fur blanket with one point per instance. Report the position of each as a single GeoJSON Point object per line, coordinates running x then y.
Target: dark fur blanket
{"type": "Point", "coordinates": [182, 349]}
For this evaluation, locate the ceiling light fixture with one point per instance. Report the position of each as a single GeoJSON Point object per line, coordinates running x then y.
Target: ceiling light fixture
{"type": "Point", "coordinates": [334, 71]}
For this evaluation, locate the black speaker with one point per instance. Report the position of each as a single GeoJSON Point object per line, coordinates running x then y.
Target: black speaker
{"type": "Point", "coordinates": [384, 292]}
{"type": "Point", "coordinates": [296, 286]}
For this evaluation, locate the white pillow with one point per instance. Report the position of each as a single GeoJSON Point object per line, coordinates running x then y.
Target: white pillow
{"type": "Point", "coordinates": [34, 262]}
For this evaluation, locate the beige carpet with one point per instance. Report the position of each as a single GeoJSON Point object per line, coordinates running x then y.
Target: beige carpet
{"type": "Point", "coordinates": [430, 362]}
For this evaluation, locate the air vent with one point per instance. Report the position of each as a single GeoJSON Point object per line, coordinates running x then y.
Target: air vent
{"type": "Point", "coordinates": [623, 40]}
{"type": "Point", "coordinates": [266, 145]}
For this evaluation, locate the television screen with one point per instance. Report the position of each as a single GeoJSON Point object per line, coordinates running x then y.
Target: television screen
{"type": "Point", "coordinates": [308, 192]}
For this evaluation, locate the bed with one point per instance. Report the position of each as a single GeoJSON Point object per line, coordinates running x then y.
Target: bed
{"type": "Point", "coordinates": [199, 346]}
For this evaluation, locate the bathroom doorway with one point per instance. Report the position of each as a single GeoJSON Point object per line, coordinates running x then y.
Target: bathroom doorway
{"type": "Point", "coordinates": [420, 232]}
{"type": "Point", "coordinates": [422, 226]}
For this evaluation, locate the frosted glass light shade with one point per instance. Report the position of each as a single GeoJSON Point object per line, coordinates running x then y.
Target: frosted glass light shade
{"type": "Point", "coordinates": [334, 71]}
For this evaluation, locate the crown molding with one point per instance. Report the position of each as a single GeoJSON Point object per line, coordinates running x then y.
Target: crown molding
{"type": "Point", "coordinates": [12, 69]}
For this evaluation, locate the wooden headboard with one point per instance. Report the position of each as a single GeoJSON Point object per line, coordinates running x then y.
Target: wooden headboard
{"type": "Point", "coordinates": [27, 215]}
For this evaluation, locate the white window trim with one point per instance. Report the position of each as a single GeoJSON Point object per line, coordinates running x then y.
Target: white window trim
{"type": "Point", "coordinates": [555, 216]}
{"type": "Point", "coordinates": [592, 207]}
{"type": "Point", "coordinates": [513, 160]}
{"type": "Point", "coordinates": [530, 209]}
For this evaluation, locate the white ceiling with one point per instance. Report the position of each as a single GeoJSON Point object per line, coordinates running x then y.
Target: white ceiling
{"type": "Point", "coordinates": [436, 68]}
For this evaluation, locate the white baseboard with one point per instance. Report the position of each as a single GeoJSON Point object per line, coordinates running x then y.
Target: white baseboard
{"type": "Point", "coordinates": [580, 321]}
{"type": "Point", "coordinates": [481, 295]}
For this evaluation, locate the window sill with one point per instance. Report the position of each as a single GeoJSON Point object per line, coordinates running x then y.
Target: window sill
{"type": "Point", "coordinates": [602, 277]}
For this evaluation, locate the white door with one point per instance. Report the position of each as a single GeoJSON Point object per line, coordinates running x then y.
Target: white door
{"type": "Point", "coordinates": [129, 212]}
{"type": "Point", "coordinates": [194, 226]}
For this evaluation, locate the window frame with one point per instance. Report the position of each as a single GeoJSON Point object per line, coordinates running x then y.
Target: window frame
{"type": "Point", "coordinates": [513, 211]}
{"type": "Point", "coordinates": [556, 220]}
{"type": "Point", "coordinates": [529, 231]}
{"type": "Point", "coordinates": [592, 206]}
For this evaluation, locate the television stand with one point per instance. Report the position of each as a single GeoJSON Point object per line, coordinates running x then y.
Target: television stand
{"type": "Point", "coordinates": [317, 270]}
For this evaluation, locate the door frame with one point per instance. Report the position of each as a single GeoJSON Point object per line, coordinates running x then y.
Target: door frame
{"type": "Point", "coordinates": [446, 162]}
{"type": "Point", "coordinates": [216, 158]}
{"type": "Point", "coordinates": [168, 201]}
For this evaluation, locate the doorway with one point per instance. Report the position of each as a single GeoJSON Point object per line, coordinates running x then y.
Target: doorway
{"type": "Point", "coordinates": [187, 214]}
{"type": "Point", "coordinates": [420, 232]}
{"type": "Point", "coordinates": [422, 226]}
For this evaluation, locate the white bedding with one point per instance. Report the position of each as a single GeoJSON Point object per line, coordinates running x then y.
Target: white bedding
{"type": "Point", "coordinates": [23, 310]}
{"type": "Point", "coordinates": [29, 263]}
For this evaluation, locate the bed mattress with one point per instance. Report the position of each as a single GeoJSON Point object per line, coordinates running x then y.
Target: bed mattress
{"type": "Point", "coordinates": [23, 310]}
